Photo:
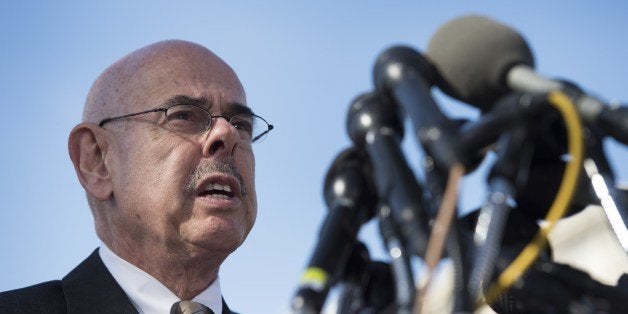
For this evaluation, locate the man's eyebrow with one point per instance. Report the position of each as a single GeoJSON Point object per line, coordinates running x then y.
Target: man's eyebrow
{"type": "Point", "coordinates": [231, 109]}
{"type": "Point", "coordinates": [186, 100]}
{"type": "Point", "coordinates": [234, 108]}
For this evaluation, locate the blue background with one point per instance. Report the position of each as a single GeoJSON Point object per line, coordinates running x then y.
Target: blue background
{"type": "Point", "coordinates": [301, 65]}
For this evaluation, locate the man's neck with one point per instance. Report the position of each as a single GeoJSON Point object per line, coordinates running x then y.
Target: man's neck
{"type": "Point", "coordinates": [148, 294]}
{"type": "Point", "coordinates": [183, 273]}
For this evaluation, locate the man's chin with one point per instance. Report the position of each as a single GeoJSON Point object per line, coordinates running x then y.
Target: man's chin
{"type": "Point", "coordinates": [215, 242]}
{"type": "Point", "coordinates": [217, 233]}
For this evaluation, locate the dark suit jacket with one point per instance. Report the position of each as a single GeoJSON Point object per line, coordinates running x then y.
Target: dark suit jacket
{"type": "Point", "coordinates": [89, 288]}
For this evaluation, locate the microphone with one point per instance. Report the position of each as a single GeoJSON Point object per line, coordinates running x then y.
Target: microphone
{"type": "Point", "coordinates": [350, 198]}
{"type": "Point", "coordinates": [375, 126]}
{"type": "Point", "coordinates": [481, 60]}
{"type": "Point", "coordinates": [405, 75]}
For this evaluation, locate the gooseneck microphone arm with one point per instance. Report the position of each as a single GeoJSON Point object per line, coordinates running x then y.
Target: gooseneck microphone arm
{"type": "Point", "coordinates": [493, 215]}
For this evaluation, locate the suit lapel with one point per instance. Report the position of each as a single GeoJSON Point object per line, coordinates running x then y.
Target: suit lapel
{"type": "Point", "coordinates": [225, 308]}
{"type": "Point", "coordinates": [90, 288]}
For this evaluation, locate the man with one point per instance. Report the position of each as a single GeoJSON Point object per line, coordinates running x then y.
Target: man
{"type": "Point", "coordinates": [164, 153]}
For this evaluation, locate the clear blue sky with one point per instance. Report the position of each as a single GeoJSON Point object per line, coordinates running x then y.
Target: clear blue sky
{"type": "Point", "coordinates": [301, 64]}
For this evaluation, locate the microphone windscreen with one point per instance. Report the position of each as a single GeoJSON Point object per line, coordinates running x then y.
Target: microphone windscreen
{"type": "Point", "coordinates": [473, 55]}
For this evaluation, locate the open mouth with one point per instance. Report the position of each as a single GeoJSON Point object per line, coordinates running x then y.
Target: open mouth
{"type": "Point", "coordinates": [216, 190]}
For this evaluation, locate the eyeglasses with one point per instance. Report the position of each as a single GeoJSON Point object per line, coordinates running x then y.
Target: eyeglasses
{"type": "Point", "coordinates": [190, 119]}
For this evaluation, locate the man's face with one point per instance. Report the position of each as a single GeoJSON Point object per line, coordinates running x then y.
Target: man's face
{"type": "Point", "coordinates": [179, 191]}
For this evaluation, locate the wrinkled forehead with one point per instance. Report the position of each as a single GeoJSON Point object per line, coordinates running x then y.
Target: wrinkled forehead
{"type": "Point", "coordinates": [150, 76]}
{"type": "Point", "coordinates": [195, 72]}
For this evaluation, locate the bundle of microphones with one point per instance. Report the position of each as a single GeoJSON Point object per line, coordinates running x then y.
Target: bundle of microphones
{"type": "Point", "coordinates": [546, 136]}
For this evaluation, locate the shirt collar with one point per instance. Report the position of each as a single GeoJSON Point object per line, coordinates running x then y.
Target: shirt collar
{"type": "Point", "coordinates": [148, 294]}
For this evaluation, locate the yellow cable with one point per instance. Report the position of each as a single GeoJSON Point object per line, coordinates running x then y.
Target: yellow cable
{"type": "Point", "coordinates": [560, 205]}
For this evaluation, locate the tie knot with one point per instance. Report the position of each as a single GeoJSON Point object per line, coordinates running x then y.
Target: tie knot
{"type": "Point", "coordinates": [189, 307]}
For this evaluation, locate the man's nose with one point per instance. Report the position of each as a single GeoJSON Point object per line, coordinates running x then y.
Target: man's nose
{"type": "Point", "coordinates": [221, 139]}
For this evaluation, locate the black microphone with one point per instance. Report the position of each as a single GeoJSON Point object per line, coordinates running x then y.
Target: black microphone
{"type": "Point", "coordinates": [406, 76]}
{"type": "Point", "coordinates": [481, 60]}
{"type": "Point", "coordinates": [375, 125]}
{"type": "Point", "coordinates": [351, 200]}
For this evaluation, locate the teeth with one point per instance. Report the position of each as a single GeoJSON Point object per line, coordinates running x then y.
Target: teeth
{"type": "Point", "coordinates": [224, 197]}
{"type": "Point", "coordinates": [218, 187]}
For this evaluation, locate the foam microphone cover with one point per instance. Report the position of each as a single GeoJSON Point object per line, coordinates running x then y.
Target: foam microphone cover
{"type": "Point", "coordinates": [473, 55]}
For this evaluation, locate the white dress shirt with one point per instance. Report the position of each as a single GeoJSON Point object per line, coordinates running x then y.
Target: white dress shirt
{"type": "Point", "coordinates": [147, 294]}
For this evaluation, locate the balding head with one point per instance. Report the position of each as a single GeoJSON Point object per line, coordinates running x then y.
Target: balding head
{"type": "Point", "coordinates": [125, 83]}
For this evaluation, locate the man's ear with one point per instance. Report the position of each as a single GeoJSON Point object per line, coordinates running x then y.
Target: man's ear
{"type": "Point", "coordinates": [88, 145]}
